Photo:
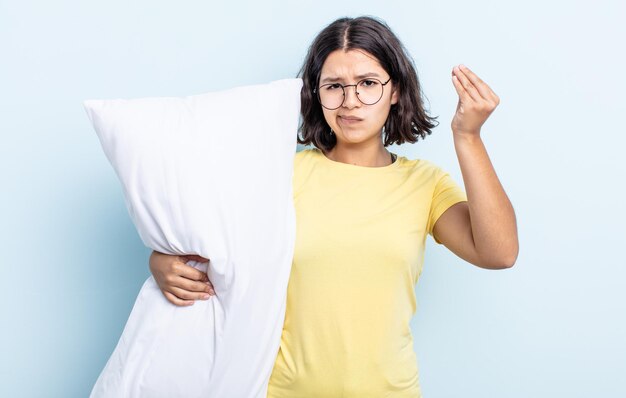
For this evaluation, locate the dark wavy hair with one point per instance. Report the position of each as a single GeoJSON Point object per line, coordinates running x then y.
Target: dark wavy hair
{"type": "Point", "coordinates": [407, 120]}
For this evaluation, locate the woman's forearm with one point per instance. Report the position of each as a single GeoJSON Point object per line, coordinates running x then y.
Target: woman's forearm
{"type": "Point", "coordinates": [492, 217]}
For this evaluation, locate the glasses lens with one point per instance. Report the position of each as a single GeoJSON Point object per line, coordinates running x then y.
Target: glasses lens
{"type": "Point", "coordinates": [331, 95]}
{"type": "Point", "coordinates": [369, 92]}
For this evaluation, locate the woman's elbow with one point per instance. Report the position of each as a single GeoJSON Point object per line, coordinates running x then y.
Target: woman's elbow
{"type": "Point", "coordinates": [509, 262]}
{"type": "Point", "coordinates": [503, 260]}
{"type": "Point", "coordinates": [509, 259]}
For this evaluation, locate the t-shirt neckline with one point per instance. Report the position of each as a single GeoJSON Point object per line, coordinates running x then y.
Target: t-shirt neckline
{"type": "Point", "coordinates": [348, 166]}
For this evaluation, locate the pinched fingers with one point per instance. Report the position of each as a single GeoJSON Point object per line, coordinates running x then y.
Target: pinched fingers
{"type": "Point", "coordinates": [466, 84]}
{"type": "Point", "coordinates": [485, 91]}
{"type": "Point", "coordinates": [475, 86]}
{"type": "Point", "coordinates": [464, 96]}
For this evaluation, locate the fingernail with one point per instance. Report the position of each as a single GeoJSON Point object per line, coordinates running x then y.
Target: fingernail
{"type": "Point", "coordinates": [462, 66]}
{"type": "Point", "coordinates": [206, 296]}
{"type": "Point", "coordinates": [212, 292]}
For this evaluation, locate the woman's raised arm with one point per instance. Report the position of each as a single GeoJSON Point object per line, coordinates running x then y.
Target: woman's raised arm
{"type": "Point", "coordinates": [482, 230]}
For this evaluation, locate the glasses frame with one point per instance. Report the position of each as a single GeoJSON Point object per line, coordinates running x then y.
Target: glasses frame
{"type": "Point", "coordinates": [316, 91]}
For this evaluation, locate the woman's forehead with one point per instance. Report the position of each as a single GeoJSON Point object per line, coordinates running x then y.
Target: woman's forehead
{"type": "Point", "coordinates": [351, 64]}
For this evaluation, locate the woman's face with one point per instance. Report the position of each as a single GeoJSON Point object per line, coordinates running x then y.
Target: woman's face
{"type": "Point", "coordinates": [354, 122]}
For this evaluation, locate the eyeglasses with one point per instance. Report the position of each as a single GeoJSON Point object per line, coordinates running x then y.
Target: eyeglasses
{"type": "Point", "coordinates": [369, 91]}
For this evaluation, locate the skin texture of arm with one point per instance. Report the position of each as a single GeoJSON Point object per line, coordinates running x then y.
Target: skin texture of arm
{"type": "Point", "coordinates": [483, 230]}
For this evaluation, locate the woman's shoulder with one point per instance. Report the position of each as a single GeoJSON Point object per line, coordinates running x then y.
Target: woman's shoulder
{"type": "Point", "coordinates": [418, 164]}
{"type": "Point", "coordinates": [305, 158]}
{"type": "Point", "coordinates": [305, 155]}
{"type": "Point", "coordinates": [305, 152]}
{"type": "Point", "coordinates": [423, 169]}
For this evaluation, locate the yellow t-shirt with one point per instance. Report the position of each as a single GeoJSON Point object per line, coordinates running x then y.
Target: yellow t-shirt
{"type": "Point", "coordinates": [360, 236]}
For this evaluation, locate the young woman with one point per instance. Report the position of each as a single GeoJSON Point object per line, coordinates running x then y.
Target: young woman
{"type": "Point", "coordinates": [363, 214]}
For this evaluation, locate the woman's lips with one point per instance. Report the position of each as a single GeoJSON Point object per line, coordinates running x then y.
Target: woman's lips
{"type": "Point", "coordinates": [349, 120]}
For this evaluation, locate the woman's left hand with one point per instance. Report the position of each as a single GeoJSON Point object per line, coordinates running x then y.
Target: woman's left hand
{"type": "Point", "coordinates": [476, 102]}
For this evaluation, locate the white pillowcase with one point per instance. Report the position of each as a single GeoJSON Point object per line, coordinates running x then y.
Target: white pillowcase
{"type": "Point", "coordinates": [210, 175]}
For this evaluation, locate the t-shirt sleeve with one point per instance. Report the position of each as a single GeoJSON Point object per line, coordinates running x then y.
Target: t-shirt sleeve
{"type": "Point", "coordinates": [446, 193]}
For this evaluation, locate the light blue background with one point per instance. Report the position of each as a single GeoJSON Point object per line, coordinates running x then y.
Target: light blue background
{"type": "Point", "coordinates": [72, 264]}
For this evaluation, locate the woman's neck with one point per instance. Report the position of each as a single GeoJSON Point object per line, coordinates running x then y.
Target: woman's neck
{"type": "Point", "coordinates": [367, 156]}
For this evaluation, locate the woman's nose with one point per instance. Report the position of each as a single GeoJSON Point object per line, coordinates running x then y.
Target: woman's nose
{"type": "Point", "coordinates": [351, 98]}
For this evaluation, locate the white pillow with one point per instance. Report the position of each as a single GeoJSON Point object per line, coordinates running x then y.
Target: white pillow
{"type": "Point", "coordinates": [210, 175]}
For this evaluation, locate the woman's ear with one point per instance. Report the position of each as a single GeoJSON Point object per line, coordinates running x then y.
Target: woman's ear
{"type": "Point", "coordinates": [394, 96]}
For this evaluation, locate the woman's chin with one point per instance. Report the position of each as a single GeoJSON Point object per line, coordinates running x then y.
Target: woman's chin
{"type": "Point", "coordinates": [353, 137]}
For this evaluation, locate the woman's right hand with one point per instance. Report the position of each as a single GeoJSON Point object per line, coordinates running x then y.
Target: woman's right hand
{"type": "Point", "coordinates": [180, 283]}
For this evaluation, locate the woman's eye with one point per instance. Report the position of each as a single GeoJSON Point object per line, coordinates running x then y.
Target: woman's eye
{"type": "Point", "coordinates": [368, 83]}
{"type": "Point", "coordinates": [332, 86]}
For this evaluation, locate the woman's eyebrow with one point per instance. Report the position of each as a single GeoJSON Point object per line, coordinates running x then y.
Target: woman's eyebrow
{"type": "Point", "coordinates": [359, 77]}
